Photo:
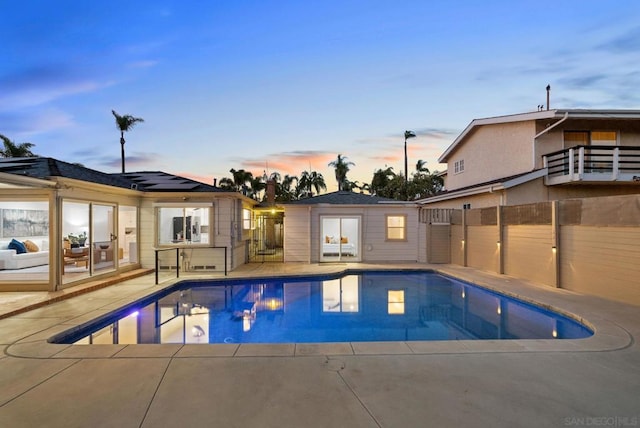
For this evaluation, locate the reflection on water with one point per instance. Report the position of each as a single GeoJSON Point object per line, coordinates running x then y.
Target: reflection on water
{"type": "Point", "coordinates": [372, 306]}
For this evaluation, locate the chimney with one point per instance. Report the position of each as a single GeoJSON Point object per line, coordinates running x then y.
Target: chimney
{"type": "Point", "coordinates": [548, 90]}
{"type": "Point", "coordinates": [271, 192]}
{"type": "Point", "coordinates": [215, 182]}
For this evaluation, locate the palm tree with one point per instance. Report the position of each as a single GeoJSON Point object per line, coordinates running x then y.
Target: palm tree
{"type": "Point", "coordinates": [316, 180]}
{"type": "Point", "coordinates": [381, 179]}
{"type": "Point", "coordinates": [312, 180]}
{"type": "Point", "coordinates": [284, 192]}
{"type": "Point", "coordinates": [421, 167]}
{"type": "Point", "coordinates": [13, 150]}
{"type": "Point", "coordinates": [124, 123]}
{"type": "Point", "coordinates": [341, 167]}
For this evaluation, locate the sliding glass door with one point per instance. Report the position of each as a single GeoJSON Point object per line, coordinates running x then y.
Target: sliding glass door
{"type": "Point", "coordinates": [340, 239]}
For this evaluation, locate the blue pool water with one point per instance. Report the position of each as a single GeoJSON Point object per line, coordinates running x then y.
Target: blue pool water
{"type": "Point", "coordinates": [358, 306]}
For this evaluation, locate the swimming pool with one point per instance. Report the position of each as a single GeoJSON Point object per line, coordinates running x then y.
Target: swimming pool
{"type": "Point", "coordinates": [353, 307]}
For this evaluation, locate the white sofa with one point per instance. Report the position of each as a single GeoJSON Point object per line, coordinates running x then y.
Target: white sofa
{"type": "Point", "coordinates": [345, 249]}
{"type": "Point", "coordinates": [10, 259]}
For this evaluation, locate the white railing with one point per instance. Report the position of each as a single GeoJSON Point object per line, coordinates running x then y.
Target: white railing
{"type": "Point", "coordinates": [593, 164]}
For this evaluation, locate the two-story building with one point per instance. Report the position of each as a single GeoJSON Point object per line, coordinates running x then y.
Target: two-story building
{"type": "Point", "coordinates": [542, 156]}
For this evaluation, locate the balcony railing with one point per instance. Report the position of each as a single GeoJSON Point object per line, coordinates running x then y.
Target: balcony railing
{"type": "Point", "coordinates": [595, 164]}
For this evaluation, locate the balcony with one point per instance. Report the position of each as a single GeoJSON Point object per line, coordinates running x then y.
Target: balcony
{"type": "Point", "coordinates": [593, 164]}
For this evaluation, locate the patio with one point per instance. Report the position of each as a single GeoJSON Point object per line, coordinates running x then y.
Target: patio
{"type": "Point", "coordinates": [524, 383]}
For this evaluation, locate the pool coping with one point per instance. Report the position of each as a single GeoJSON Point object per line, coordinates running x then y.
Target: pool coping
{"type": "Point", "coordinates": [608, 336]}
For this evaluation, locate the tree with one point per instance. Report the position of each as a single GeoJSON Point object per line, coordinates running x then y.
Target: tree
{"type": "Point", "coordinates": [284, 190]}
{"type": "Point", "coordinates": [341, 167]}
{"type": "Point", "coordinates": [124, 123]}
{"type": "Point", "coordinates": [381, 179]}
{"type": "Point", "coordinates": [13, 150]}
{"type": "Point", "coordinates": [310, 180]}
{"type": "Point", "coordinates": [240, 180]}
{"type": "Point", "coordinates": [421, 166]}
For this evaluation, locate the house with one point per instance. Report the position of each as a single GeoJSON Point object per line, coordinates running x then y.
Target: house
{"type": "Point", "coordinates": [542, 156]}
{"type": "Point", "coordinates": [79, 223]}
{"type": "Point", "coordinates": [352, 227]}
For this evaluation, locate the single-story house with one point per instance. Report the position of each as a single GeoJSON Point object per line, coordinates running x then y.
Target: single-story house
{"type": "Point", "coordinates": [345, 226]}
{"type": "Point", "coordinates": [62, 224]}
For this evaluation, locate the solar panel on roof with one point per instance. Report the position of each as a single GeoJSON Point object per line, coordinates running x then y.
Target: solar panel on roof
{"type": "Point", "coordinates": [173, 186]}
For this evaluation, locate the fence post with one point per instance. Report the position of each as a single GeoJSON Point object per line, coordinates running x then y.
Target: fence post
{"type": "Point", "coordinates": [464, 237]}
{"type": "Point", "coordinates": [157, 266]}
{"type": "Point", "coordinates": [500, 240]}
{"type": "Point", "coordinates": [177, 262]}
{"type": "Point", "coordinates": [555, 242]}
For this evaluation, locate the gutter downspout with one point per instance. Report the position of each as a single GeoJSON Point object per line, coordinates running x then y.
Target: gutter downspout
{"type": "Point", "coordinates": [544, 131]}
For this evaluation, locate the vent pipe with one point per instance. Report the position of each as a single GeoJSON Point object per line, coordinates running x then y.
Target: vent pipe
{"type": "Point", "coordinates": [548, 90]}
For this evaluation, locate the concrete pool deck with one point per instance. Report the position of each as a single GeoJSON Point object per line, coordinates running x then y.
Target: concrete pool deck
{"type": "Point", "coordinates": [523, 383]}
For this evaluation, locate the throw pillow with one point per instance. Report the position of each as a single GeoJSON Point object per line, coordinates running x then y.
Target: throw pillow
{"type": "Point", "coordinates": [31, 246]}
{"type": "Point", "coordinates": [18, 246]}
{"type": "Point", "coordinates": [326, 239]}
{"type": "Point", "coordinates": [344, 240]}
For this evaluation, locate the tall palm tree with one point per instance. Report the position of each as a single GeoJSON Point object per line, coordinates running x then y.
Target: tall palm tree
{"type": "Point", "coordinates": [13, 150]}
{"type": "Point", "coordinates": [124, 123]}
{"type": "Point", "coordinates": [341, 167]}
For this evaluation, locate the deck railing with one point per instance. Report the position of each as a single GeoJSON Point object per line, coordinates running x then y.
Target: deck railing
{"type": "Point", "coordinates": [172, 261]}
{"type": "Point", "coordinates": [593, 164]}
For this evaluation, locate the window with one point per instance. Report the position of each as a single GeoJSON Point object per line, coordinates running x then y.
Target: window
{"type": "Point", "coordinates": [604, 138]}
{"type": "Point", "coordinates": [395, 302]}
{"type": "Point", "coordinates": [458, 167]}
{"type": "Point", "coordinates": [576, 138]}
{"type": "Point", "coordinates": [585, 138]}
{"type": "Point", "coordinates": [396, 227]}
{"type": "Point", "coordinates": [183, 225]}
{"type": "Point", "coordinates": [466, 206]}
{"type": "Point", "coordinates": [246, 219]}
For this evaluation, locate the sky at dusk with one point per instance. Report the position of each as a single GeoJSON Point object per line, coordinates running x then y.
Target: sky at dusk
{"type": "Point", "coordinates": [286, 86]}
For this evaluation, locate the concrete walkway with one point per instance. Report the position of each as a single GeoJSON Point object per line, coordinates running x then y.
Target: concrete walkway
{"type": "Point", "coordinates": [519, 383]}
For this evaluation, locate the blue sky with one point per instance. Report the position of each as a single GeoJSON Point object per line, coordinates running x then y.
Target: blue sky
{"type": "Point", "coordinates": [287, 85]}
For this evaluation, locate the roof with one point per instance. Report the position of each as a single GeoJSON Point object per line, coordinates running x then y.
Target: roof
{"type": "Point", "coordinates": [344, 198]}
{"type": "Point", "coordinates": [488, 186]}
{"type": "Point", "coordinates": [540, 115]}
{"type": "Point", "coordinates": [158, 181]}
{"type": "Point", "coordinates": [153, 181]}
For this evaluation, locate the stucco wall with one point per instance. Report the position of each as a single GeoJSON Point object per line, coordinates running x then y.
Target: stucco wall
{"type": "Point", "coordinates": [602, 261]}
{"type": "Point", "coordinates": [528, 253]}
{"type": "Point", "coordinates": [492, 152]}
{"type": "Point", "coordinates": [482, 249]}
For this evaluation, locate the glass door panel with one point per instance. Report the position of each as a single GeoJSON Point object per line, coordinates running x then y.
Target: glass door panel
{"type": "Point", "coordinates": [75, 243]}
{"type": "Point", "coordinates": [127, 235]}
{"type": "Point", "coordinates": [104, 240]}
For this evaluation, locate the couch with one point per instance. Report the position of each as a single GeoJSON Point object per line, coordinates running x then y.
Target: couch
{"type": "Point", "coordinates": [10, 259]}
{"type": "Point", "coordinates": [333, 245]}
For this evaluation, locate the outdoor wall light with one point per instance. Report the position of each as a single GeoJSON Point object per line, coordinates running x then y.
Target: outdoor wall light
{"type": "Point", "coordinates": [554, 249]}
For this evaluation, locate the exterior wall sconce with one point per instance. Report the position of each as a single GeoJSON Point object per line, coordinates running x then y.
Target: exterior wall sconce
{"type": "Point", "coordinates": [554, 249]}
